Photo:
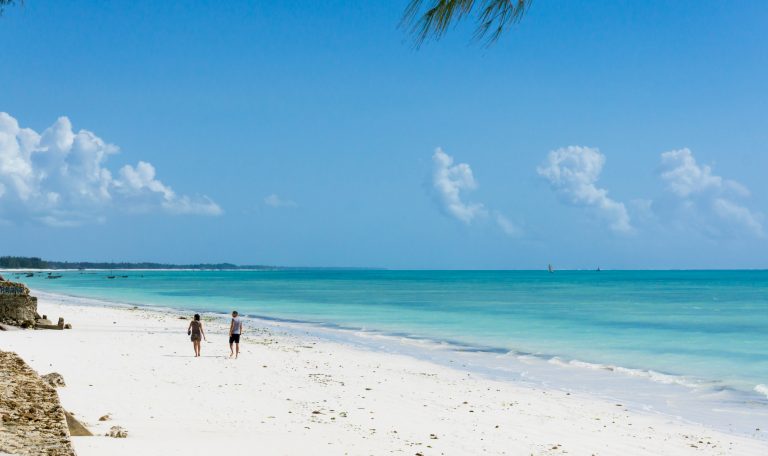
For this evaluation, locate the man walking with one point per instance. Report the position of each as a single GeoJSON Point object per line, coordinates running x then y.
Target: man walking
{"type": "Point", "coordinates": [235, 329]}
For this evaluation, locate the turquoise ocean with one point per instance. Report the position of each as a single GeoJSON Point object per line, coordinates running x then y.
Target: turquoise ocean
{"type": "Point", "coordinates": [689, 343]}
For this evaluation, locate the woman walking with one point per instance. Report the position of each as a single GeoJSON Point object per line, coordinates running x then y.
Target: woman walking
{"type": "Point", "coordinates": [195, 330]}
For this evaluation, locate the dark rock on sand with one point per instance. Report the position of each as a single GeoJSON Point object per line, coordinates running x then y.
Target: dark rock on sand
{"type": "Point", "coordinates": [59, 325]}
{"type": "Point", "coordinates": [54, 379]}
{"type": "Point", "coordinates": [17, 307]}
{"type": "Point", "coordinates": [117, 432]}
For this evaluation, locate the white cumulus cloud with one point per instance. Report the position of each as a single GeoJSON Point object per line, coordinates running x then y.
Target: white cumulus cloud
{"type": "Point", "coordinates": [507, 226]}
{"type": "Point", "coordinates": [706, 197]}
{"type": "Point", "coordinates": [573, 172]}
{"type": "Point", "coordinates": [59, 177]}
{"type": "Point", "coordinates": [449, 181]}
{"type": "Point", "coordinates": [142, 178]}
{"type": "Point", "coordinates": [274, 200]}
{"type": "Point", "coordinates": [685, 177]}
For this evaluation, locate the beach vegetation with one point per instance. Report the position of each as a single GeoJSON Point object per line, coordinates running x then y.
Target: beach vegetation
{"type": "Point", "coordinates": [15, 262]}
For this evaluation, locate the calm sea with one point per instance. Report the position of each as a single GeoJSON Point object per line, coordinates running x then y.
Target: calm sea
{"type": "Point", "coordinates": [702, 335]}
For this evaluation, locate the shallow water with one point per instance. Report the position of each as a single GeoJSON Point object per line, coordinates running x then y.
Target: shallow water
{"type": "Point", "coordinates": [698, 338]}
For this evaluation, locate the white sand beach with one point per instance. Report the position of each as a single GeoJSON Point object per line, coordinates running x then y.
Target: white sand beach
{"type": "Point", "coordinates": [290, 395]}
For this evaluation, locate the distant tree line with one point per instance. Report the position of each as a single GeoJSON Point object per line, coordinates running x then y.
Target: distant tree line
{"type": "Point", "coordinates": [11, 262]}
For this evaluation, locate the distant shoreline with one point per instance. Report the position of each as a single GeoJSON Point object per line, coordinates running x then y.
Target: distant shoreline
{"type": "Point", "coordinates": [20, 263]}
{"type": "Point", "coordinates": [29, 264]}
{"type": "Point", "coordinates": [361, 268]}
{"type": "Point", "coordinates": [241, 268]}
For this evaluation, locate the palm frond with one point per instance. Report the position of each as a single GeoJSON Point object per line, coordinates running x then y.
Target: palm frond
{"type": "Point", "coordinates": [426, 19]}
{"type": "Point", "coordinates": [5, 3]}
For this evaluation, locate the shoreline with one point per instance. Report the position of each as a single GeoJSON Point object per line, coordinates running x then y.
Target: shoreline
{"type": "Point", "coordinates": [714, 406]}
{"type": "Point", "coordinates": [140, 369]}
{"type": "Point", "coordinates": [365, 268]}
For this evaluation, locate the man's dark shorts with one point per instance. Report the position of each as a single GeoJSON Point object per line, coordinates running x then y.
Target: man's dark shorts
{"type": "Point", "coordinates": [234, 338]}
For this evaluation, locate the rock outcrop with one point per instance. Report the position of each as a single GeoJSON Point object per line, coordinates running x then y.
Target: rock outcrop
{"type": "Point", "coordinates": [117, 432]}
{"type": "Point", "coordinates": [76, 428]}
{"type": "Point", "coordinates": [54, 379]}
{"type": "Point", "coordinates": [32, 422]}
{"type": "Point", "coordinates": [17, 307]}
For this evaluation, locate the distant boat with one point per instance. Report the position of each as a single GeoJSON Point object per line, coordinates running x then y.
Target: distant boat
{"type": "Point", "coordinates": [550, 269]}
{"type": "Point", "coordinates": [598, 269]}
{"type": "Point", "coordinates": [51, 276]}
{"type": "Point", "coordinates": [30, 274]}
{"type": "Point", "coordinates": [111, 277]}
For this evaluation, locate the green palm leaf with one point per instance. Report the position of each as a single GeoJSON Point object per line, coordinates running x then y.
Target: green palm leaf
{"type": "Point", "coordinates": [431, 18]}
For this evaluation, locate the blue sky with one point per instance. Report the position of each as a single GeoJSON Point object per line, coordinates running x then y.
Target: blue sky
{"type": "Point", "coordinates": [305, 133]}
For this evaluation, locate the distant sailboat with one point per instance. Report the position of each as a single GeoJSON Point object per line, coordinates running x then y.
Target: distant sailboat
{"type": "Point", "coordinates": [549, 268]}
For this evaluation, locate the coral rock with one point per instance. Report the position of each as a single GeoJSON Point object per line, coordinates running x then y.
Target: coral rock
{"type": "Point", "coordinates": [54, 379]}
{"type": "Point", "coordinates": [17, 307]}
{"type": "Point", "coordinates": [117, 432]}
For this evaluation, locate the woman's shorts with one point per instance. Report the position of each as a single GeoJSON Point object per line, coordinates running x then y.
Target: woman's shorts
{"type": "Point", "coordinates": [234, 338]}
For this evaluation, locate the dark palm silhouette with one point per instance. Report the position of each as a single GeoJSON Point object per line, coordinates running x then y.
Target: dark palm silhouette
{"type": "Point", "coordinates": [4, 3]}
{"type": "Point", "coordinates": [427, 19]}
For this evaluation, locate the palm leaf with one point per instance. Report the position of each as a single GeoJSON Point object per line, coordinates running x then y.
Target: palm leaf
{"type": "Point", "coordinates": [4, 3]}
{"type": "Point", "coordinates": [426, 19]}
